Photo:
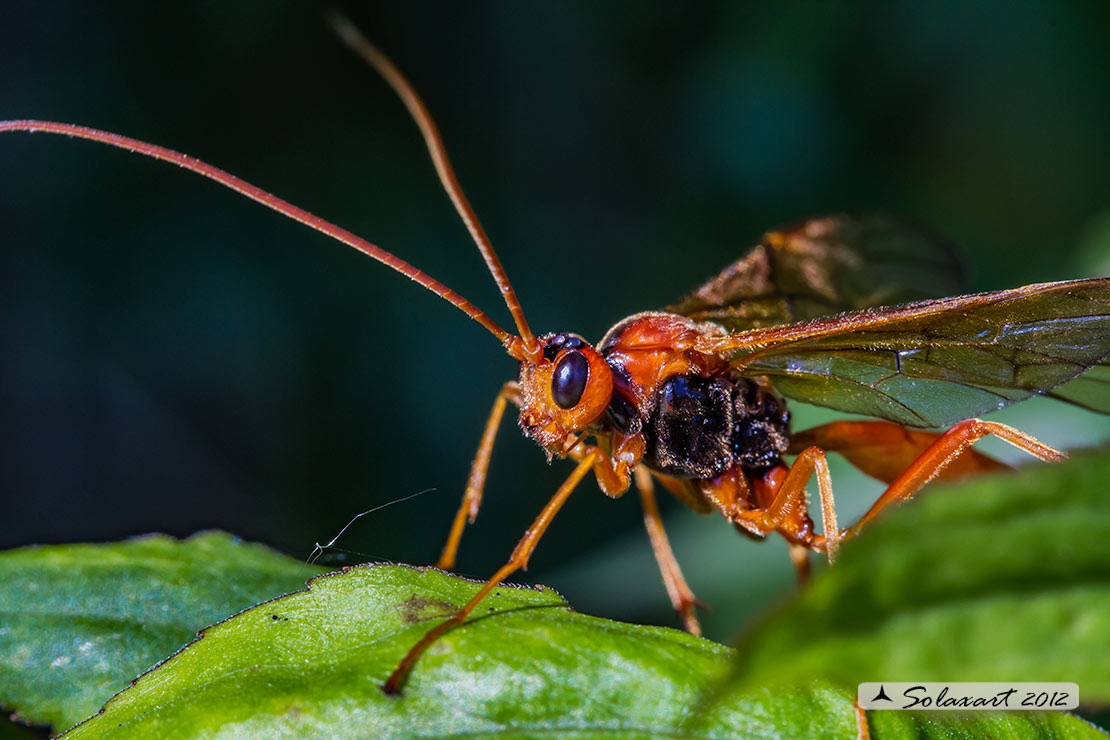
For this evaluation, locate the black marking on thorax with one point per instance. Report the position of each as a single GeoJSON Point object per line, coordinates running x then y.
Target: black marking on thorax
{"type": "Point", "coordinates": [622, 413]}
{"type": "Point", "coordinates": [699, 427]}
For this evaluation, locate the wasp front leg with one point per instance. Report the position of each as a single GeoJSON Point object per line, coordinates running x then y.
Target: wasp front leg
{"type": "Point", "coordinates": [613, 463]}
{"type": "Point", "coordinates": [472, 497]}
{"type": "Point", "coordinates": [517, 561]}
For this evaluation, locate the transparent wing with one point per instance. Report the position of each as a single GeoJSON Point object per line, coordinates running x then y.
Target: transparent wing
{"type": "Point", "coordinates": [933, 363]}
{"type": "Point", "coordinates": [1090, 390]}
{"type": "Point", "coordinates": [827, 266]}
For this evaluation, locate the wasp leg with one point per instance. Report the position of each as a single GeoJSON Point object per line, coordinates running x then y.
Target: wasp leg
{"type": "Point", "coordinates": [733, 495]}
{"type": "Point", "coordinates": [884, 450]}
{"type": "Point", "coordinates": [863, 731]}
{"type": "Point", "coordinates": [613, 476]}
{"type": "Point", "coordinates": [942, 452]}
{"type": "Point", "coordinates": [518, 560]}
{"type": "Point", "coordinates": [789, 497]}
{"type": "Point", "coordinates": [613, 470]}
{"type": "Point", "coordinates": [799, 557]}
{"type": "Point", "coordinates": [682, 597]}
{"type": "Point", "coordinates": [472, 498]}
{"type": "Point", "coordinates": [729, 494]}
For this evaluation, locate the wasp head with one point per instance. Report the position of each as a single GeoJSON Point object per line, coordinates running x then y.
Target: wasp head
{"type": "Point", "coordinates": [564, 391]}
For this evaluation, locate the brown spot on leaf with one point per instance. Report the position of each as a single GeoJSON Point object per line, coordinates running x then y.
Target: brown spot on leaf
{"type": "Point", "coordinates": [418, 608]}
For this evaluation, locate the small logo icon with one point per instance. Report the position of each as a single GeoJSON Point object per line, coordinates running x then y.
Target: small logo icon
{"type": "Point", "coordinates": [881, 696]}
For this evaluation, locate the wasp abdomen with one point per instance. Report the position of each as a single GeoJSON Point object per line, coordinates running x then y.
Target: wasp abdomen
{"type": "Point", "coordinates": [761, 427]}
{"type": "Point", "coordinates": [700, 426]}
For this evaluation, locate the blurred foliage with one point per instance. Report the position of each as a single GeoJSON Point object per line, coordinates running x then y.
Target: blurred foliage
{"type": "Point", "coordinates": [1000, 578]}
{"type": "Point", "coordinates": [177, 358]}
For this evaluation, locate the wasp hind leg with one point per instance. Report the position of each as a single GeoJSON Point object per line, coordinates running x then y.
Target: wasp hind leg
{"type": "Point", "coordinates": [933, 455]}
{"type": "Point", "coordinates": [863, 730]}
{"type": "Point", "coordinates": [875, 446]}
{"type": "Point", "coordinates": [943, 451]}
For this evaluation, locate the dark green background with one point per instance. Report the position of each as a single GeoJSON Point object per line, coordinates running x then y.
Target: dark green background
{"type": "Point", "coordinates": [175, 357]}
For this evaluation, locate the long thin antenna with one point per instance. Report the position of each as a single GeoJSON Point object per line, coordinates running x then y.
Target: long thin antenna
{"type": "Point", "coordinates": [358, 43]}
{"type": "Point", "coordinates": [319, 549]}
{"type": "Point", "coordinates": [272, 201]}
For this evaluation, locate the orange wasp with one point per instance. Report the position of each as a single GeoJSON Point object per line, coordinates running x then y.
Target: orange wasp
{"type": "Point", "coordinates": [694, 396]}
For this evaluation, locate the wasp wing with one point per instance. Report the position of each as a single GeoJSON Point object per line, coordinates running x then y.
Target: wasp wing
{"type": "Point", "coordinates": [827, 266]}
{"type": "Point", "coordinates": [933, 363]}
{"type": "Point", "coordinates": [1090, 390]}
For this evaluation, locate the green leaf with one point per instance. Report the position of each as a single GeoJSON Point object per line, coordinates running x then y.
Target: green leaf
{"type": "Point", "coordinates": [1001, 578]}
{"type": "Point", "coordinates": [992, 725]}
{"type": "Point", "coordinates": [77, 622]}
{"type": "Point", "coordinates": [310, 665]}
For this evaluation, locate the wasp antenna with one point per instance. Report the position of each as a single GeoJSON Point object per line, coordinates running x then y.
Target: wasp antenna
{"type": "Point", "coordinates": [353, 38]}
{"type": "Point", "coordinates": [273, 202]}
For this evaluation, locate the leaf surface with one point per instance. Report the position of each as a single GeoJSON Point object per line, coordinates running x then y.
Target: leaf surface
{"type": "Point", "coordinates": [77, 622]}
{"type": "Point", "coordinates": [997, 579]}
{"type": "Point", "coordinates": [310, 665]}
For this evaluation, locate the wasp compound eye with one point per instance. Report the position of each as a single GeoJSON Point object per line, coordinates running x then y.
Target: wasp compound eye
{"type": "Point", "coordinates": [569, 381]}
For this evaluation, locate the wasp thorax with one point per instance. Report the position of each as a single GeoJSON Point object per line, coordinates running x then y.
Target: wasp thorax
{"type": "Point", "coordinates": [565, 392]}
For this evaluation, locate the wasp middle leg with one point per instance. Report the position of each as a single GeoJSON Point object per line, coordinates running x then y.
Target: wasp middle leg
{"type": "Point", "coordinates": [776, 502]}
{"type": "Point", "coordinates": [682, 597]}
